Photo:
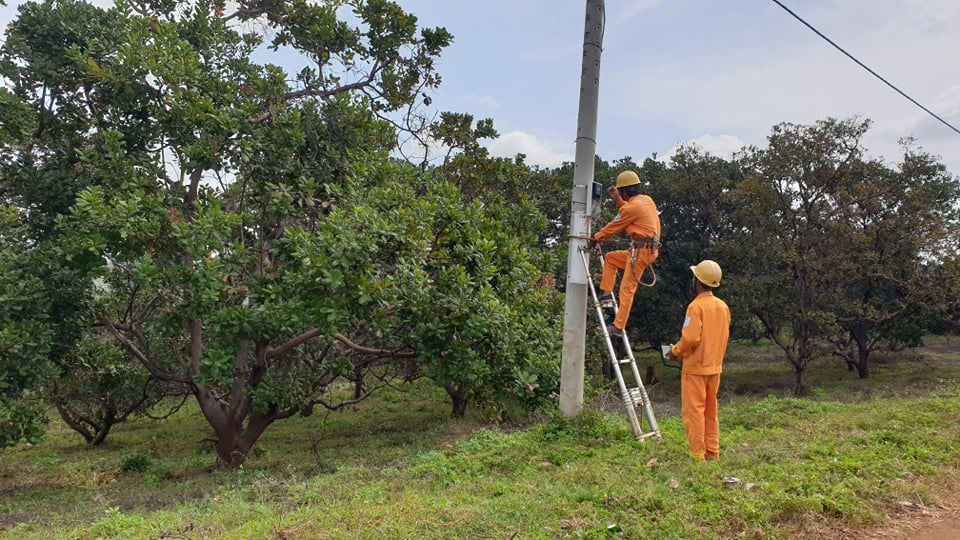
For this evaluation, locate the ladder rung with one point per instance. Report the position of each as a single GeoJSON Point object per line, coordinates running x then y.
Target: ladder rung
{"type": "Point", "coordinates": [649, 434]}
{"type": "Point", "coordinates": [635, 395]}
{"type": "Point", "coordinates": [622, 361]}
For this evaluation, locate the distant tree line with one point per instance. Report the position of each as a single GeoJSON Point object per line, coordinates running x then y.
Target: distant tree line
{"type": "Point", "coordinates": [825, 250]}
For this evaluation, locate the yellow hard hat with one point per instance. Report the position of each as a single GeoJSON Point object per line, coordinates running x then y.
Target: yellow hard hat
{"type": "Point", "coordinates": [627, 178]}
{"type": "Point", "coordinates": [708, 272]}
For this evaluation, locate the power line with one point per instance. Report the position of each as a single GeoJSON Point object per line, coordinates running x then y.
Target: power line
{"type": "Point", "coordinates": [864, 66]}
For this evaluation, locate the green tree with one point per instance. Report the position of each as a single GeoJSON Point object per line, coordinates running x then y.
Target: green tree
{"type": "Point", "coordinates": [100, 386]}
{"type": "Point", "coordinates": [893, 229]}
{"type": "Point", "coordinates": [25, 335]}
{"type": "Point", "coordinates": [494, 301]}
{"type": "Point", "coordinates": [784, 248]}
{"type": "Point", "coordinates": [260, 244]}
{"type": "Point", "coordinates": [46, 110]}
{"type": "Point", "coordinates": [691, 192]}
{"type": "Point", "coordinates": [831, 244]}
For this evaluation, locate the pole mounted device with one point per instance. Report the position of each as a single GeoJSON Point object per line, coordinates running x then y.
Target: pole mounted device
{"type": "Point", "coordinates": [581, 211]}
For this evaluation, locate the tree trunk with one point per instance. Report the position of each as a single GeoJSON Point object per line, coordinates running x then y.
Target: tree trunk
{"type": "Point", "coordinates": [863, 354]}
{"type": "Point", "coordinates": [458, 397]}
{"type": "Point", "coordinates": [607, 370]}
{"type": "Point", "coordinates": [804, 353]}
{"type": "Point", "coordinates": [358, 388]}
{"type": "Point", "coordinates": [234, 440]}
{"type": "Point", "coordinates": [231, 450]}
{"type": "Point", "coordinates": [862, 370]}
{"type": "Point", "coordinates": [109, 419]}
{"type": "Point", "coordinates": [67, 417]}
{"type": "Point", "coordinates": [800, 380]}
{"type": "Point", "coordinates": [101, 435]}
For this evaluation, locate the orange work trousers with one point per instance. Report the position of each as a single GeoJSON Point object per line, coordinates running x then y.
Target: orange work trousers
{"type": "Point", "coordinates": [615, 261]}
{"type": "Point", "coordinates": [698, 407]}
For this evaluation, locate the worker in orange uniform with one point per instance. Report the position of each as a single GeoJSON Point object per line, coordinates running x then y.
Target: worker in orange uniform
{"type": "Point", "coordinates": [702, 345]}
{"type": "Point", "coordinates": [637, 215]}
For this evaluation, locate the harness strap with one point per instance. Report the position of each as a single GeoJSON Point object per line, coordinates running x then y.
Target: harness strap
{"type": "Point", "coordinates": [650, 242]}
{"type": "Point", "coordinates": [641, 242]}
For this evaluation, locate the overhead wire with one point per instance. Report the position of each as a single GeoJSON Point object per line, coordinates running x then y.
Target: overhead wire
{"type": "Point", "coordinates": [864, 66]}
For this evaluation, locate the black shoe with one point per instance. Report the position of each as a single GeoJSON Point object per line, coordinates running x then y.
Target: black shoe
{"type": "Point", "coordinates": [614, 331]}
{"type": "Point", "coordinates": [605, 300]}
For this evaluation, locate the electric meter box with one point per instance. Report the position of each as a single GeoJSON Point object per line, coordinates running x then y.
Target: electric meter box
{"type": "Point", "coordinates": [597, 194]}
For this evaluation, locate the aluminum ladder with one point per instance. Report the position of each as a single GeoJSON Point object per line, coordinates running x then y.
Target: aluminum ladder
{"type": "Point", "coordinates": [633, 397]}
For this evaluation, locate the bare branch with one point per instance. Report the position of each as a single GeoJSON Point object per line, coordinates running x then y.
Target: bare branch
{"type": "Point", "coordinates": [295, 342]}
{"type": "Point", "coordinates": [150, 366]}
{"type": "Point", "coordinates": [343, 404]}
{"type": "Point", "coordinates": [173, 410]}
{"type": "Point", "coordinates": [321, 92]}
{"type": "Point", "coordinates": [196, 346]}
{"type": "Point", "coordinates": [383, 353]}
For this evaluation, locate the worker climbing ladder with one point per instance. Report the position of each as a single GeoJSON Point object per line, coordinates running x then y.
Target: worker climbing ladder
{"type": "Point", "coordinates": [633, 397]}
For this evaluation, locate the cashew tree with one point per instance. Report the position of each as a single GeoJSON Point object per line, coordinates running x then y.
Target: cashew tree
{"type": "Point", "coordinates": [833, 246]}
{"type": "Point", "coordinates": [251, 237]}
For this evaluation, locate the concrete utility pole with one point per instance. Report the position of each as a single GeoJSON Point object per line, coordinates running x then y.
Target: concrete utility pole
{"type": "Point", "coordinates": [575, 309]}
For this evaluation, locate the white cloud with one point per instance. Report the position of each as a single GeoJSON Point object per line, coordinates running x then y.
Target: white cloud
{"type": "Point", "coordinates": [934, 11]}
{"type": "Point", "coordinates": [635, 8]}
{"type": "Point", "coordinates": [947, 104]}
{"type": "Point", "coordinates": [742, 88]}
{"type": "Point", "coordinates": [537, 152]}
{"type": "Point", "coordinates": [723, 146]}
{"type": "Point", "coordinates": [487, 102]}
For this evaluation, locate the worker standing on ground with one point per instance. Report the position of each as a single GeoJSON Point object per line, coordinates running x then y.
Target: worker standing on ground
{"type": "Point", "coordinates": [637, 216]}
{"type": "Point", "coordinates": [702, 346]}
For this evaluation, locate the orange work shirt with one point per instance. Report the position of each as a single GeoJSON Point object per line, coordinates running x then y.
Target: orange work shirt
{"type": "Point", "coordinates": [706, 329]}
{"type": "Point", "coordinates": [638, 217]}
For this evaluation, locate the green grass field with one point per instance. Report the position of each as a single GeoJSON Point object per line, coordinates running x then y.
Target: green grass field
{"type": "Point", "coordinates": [847, 458]}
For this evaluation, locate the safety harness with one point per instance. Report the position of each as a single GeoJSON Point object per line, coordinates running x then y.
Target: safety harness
{"type": "Point", "coordinates": [636, 244]}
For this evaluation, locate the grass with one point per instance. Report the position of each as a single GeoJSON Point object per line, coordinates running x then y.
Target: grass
{"type": "Point", "coordinates": [398, 466]}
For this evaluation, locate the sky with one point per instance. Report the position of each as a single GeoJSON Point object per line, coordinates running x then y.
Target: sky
{"type": "Point", "coordinates": [719, 74]}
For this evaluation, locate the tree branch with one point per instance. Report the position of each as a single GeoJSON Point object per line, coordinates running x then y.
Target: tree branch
{"type": "Point", "coordinates": [295, 342]}
{"type": "Point", "coordinates": [321, 92]}
{"type": "Point", "coordinates": [374, 352]}
{"type": "Point", "coordinates": [196, 346]}
{"type": "Point", "coordinates": [153, 369]}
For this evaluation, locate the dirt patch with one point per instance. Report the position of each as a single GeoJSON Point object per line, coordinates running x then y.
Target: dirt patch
{"type": "Point", "coordinates": [908, 521]}
{"type": "Point", "coordinates": [456, 431]}
{"type": "Point", "coordinates": [11, 520]}
{"type": "Point", "coordinates": [921, 522]}
{"type": "Point", "coordinates": [760, 388]}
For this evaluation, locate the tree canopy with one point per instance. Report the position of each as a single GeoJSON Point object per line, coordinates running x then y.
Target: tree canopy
{"type": "Point", "coordinates": [245, 233]}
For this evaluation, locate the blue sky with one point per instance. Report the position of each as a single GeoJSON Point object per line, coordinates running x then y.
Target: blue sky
{"type": "Point", "coordinates": [718, 73]}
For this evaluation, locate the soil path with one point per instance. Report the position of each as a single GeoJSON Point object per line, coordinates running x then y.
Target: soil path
{"type": "Point", "coordinates": [916, 522]}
